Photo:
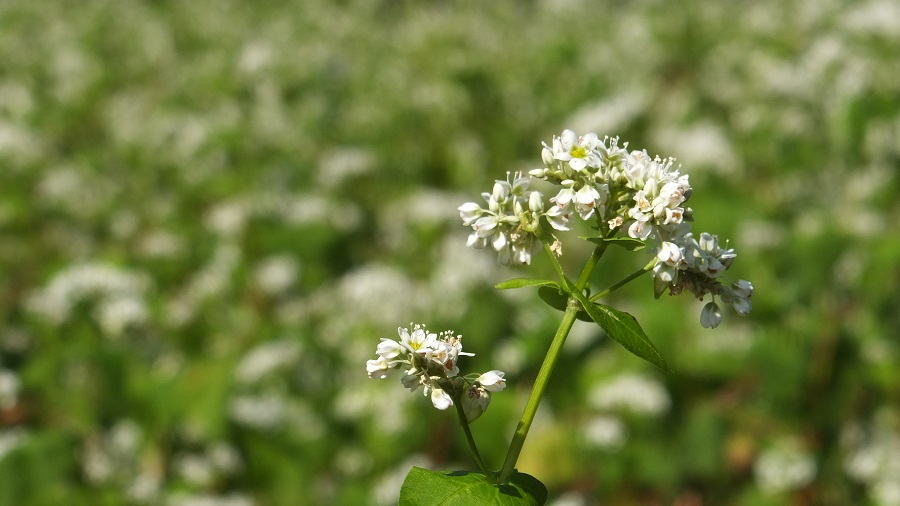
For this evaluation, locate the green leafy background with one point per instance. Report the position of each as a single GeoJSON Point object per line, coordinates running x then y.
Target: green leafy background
{"type": "Point", "coordinates": [210, 211]}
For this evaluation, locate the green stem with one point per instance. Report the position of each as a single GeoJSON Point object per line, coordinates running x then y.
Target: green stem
{"type": "Point", "coordinates": [591, 263]}
{"type": "Point", "coordinates": [624, 281]}
{"type": "Point", "coordinates": [543, 377]}
{"type": "Point", "coordinates": [465, 425]}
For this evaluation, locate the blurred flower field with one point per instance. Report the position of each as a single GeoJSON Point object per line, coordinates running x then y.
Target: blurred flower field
{"type": "Point", "coordinates": [211, 212]}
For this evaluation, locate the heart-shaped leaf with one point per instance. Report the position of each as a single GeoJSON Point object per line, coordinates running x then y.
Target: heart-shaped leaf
{"type": "Point", "coordinates": [431, 488]}
{"type": "Point", "coordinates": [624, 329]}
{"type": "Point", "coordinates": [557, 300]}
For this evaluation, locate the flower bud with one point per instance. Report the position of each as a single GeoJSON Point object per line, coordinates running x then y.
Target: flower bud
{"type": "Point", "coordinates": [710, 316]}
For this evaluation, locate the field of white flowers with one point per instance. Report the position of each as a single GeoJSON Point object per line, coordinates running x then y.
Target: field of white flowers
{"type": "Point", "coordinates": [210, 211]}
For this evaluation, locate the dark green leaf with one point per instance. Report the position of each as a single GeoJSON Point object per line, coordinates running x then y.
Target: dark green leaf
{"type": "Point", "coordinates": [430, 488]}
{"type": "Point", "coordinates": [523, 282]}
{"type": "Point", "coordinates": [628, 243]}
{"type": "Point", "coordinates": [557, 300]}
{"type": "Point", "coordinates": [624, 329]}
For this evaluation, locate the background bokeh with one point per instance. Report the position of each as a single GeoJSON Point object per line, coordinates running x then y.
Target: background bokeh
{"type": "Point", "coordinates": [210, 211]}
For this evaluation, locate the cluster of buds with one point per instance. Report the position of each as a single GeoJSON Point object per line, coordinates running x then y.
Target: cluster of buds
{"type": "Point", "coordinates": [429, 361]}
{"type": "Point", "coordinates": [695, 266]}
{"type": "Point", "coordinates": [614, 189]}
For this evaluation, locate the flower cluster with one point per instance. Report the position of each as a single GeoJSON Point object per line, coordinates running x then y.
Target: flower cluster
{"type": "Point", "coordinates": [510, 220]}
{"type": "Point", "coordinates": [613, 189]}
{"type": "Point", "coordinates": [692, 265]}
{"type": "Point", "coordinates": [429, 360]}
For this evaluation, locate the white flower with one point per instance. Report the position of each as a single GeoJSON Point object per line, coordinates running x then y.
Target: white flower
{"type": "Point", "coordinates": [378, 368]}
{"type": "Point", "coordinates": [492, 380]}
{"type": "Point", "coordinates": [579, 152]}
{"type": "Point", "coordinates": [558, 218]}
{"type": "Point", "coordinates": [418, 340]}
{"type": "Point", "coordinates": [565, 195]}
{"type": "Point", "coordinates": [586, 200]}
{"type": "Point", "coordinates": [429, 360]}
{"type": "Point", "coordinates": [475, 402]}
{"type": "Point", "coordinates": [388, 348]}
{"type": "Point", "coordinates": [439, 398]}
{"type": "Point", "coordinates": [469, 212]}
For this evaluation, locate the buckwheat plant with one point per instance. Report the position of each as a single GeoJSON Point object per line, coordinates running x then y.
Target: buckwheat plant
{"type": "Point", "coordinates": [630, 200]}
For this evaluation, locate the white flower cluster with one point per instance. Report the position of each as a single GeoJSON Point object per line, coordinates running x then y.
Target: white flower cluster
{"type": "Point", "coordinates": [509, 222]}
{"type": "Point", "coordinates": [613, 189]}
{"type": "Point", "coordinates": [429, 360]}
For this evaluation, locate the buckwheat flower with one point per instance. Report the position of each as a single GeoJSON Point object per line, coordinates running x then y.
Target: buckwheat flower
{"type": "Point", "coordinates": [710, 316]}
{"type": "Point", "coordinates": [579, 152]}
{"type": "Point", "coordinates": [492, 380]}
{"type": "Point", "coordinates": [388, 348]}
{"type": "Point", "coordinates": [430, 361]}
{"type": "Point", "coordinates": [475, 401]}
{"type": "Point", "coordinates": [418, 340]}
{"type": "Point", "coordinates": [558, 218]}
{"type": "Point", "coordinates": [509, 222]}
{"type": "Point", "coordinates": [586, 201]}
{"type": "Point", "coordinates": [379, 368]}
{"type": "Point", "coordinates": [697, 267]}
{"type": "Point", "coordinates": [738, 295]}
{"type": "Point", "coordinates": [439, 398]}
{"type": "Point", "coordinates": [565, 195]}
{"type": "Point", "coordinates": [640, 226]}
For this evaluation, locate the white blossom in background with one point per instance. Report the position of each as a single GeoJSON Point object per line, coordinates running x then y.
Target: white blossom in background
{"type": "Point", "coordinates": [9, 388]}
{"type": "Point", "coordinates": [10, 440]}
{"type": "Point", "coordinates": [118, 293]}
{"type": "Point", "coordinates": [228, 218]}
{"type": "Point", "coordinates": [605, 432]}
{"type": "Point", "coordinates": [211, 280]}
{"type": "Point", "coordinates": [187, 499]}
{"type": "Point", "coordinates": [113, 457]}
{"type": "Point", "coordinates": [784, 467]}
{"type": "Point", "coordinates": [631, 392]}
{"type": "Point", "coordinates": [340, 165]}
{"type": "Point", "coordinates": [277, 274]}
{"type": "Point", "coordinates": [871, 459]}
{"type": "Point", "coordinates": [429, 360]}
{"type": "Point", "coordinates": [570, 499]}
{"type": "Point", "coordinates": [202, 468]}
{"type": "Point", "coordinates": [267, 358]}
{"type": "Point", "coordinates": [259, 412]}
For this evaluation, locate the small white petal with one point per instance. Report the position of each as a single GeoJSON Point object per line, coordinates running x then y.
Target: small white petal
{"type": "Point", "coordinates": [493, 380]}
{"type": "Point", "coordinates": [441, 399]}
{"type": "Point", "coordinates": [499, 241]}
{"type": "Point", "coordinates": [388, 348]}
{"type": "Point", "coordinates": [377, 368]}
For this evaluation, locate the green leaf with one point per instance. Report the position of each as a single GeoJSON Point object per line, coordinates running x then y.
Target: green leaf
{"type": "Point", "coordinates": [523, 282]}
{"type": "Point", "coordinates": [460, 488]}
{"type": "Point", "coordinates": [558, 300]}
{"type": "Point", "coordinates": [628, 243]}
{"type": "Point", "coordinates": [624, 329]}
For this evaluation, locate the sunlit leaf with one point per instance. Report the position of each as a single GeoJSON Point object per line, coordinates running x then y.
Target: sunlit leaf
{"type": "Point", "coordinates": [431, 488]}
{"type": "Point", "coordinates": [624, 329]}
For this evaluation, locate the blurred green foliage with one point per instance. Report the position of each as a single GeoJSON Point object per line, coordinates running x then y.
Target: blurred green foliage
{"type": "Point", "coordinates": [211, 211]}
